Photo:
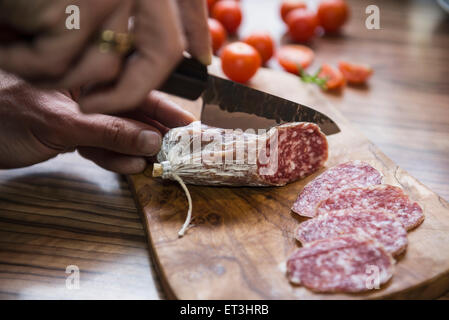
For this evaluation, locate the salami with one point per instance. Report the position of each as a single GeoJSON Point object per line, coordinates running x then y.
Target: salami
{"type": "Point", "coordinates": [349, 263]}
{"type": "Point", "coordinates": [376, 224]}
{"type": "Point", "coordinates": [346, 175]}
{"type": "Point", "coordinates": [389, 198]}
{"type": "Point", "coordinates": [203, 155]}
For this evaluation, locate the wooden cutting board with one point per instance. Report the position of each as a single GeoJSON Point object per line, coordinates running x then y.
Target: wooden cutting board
{"type": "Point", "coordinates": [242, 236]}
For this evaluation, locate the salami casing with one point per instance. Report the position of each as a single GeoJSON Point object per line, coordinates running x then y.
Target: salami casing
{"type": "Point", "coordinates": [389, 198]}
{"type": "Point", "coordinates": [377, 224]}
{"type": "Point", "coordinates": [349, 263]}
{"type": "Point", "coordinates": [203, 155]}
{"type": "Point", "coordinates": [346, 175]}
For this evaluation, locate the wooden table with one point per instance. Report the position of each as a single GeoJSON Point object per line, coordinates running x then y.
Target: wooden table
{"type": "Point", "coordinates": [68, 212]}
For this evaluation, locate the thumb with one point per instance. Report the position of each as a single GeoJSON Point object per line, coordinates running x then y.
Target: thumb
{"type": "Point", "coordinates": [121, 135]}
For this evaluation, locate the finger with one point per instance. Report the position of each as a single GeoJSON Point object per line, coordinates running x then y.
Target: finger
{"type": "Point", "coordinates": [20, 59]}
{"type": "Point", "coordinates": [194, 19]}
{"type": "Point", "coordinates": [95, 66]}
{"type": "Point", "coordinates": [114, 161]}
{"type": "Point", "coordinates": [121, 135]}
{"type": "Point", "coordinates": [140, 116]}
{"type": "Point", "coordinates": [159, 45]}
{"type": "Point", "coordinates": [165, 111]}
{"type": "Point", "coordinates": [160, 113]}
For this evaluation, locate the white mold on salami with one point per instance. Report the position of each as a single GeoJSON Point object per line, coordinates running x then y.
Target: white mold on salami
{"type": "Point", "coordinates": [349, 263]}
{"type": "Point", "coordinates": [377, 224]}
{"type": "Point", "coordinates": [346, 175]}
{"type": "Point", "coordinates": [387, 197]}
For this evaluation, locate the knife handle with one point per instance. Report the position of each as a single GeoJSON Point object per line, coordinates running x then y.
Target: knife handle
{"type": "Point", "coordinates": [188, 80]}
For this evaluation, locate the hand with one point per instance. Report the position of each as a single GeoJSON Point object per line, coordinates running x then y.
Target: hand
{"type": "Point", "coordinates": [53, 56]}
{"type": "Point", "coordinates": [37, 125]}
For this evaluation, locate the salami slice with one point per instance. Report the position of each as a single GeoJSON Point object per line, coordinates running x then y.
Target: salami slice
{"type": "Point", "coordinates": [389, 198]}
{"type": "Point", "coordinates": [349, 263]}
{"type": "Point", "coordinates": [204, 155]}
{"type": "Point", "coordinates": [346, 175]}
{"type": "Point", "coordinates": [376, 224]}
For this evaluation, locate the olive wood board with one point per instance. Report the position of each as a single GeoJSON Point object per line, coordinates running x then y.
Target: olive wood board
{"type": "Point", "coordinates": [242, 237]}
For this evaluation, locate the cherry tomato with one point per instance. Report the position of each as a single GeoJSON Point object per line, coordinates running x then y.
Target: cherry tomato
{"type": "Point", "coordinates": [302, 24]}
{"type": "Point", "coordinates": [334, 78]}
{"type": "Point", "coordinates": [228, 12]}
{"type": "Point", "coordinates": [263, 43]}
{"type": "Point", "coordinates": [240, 61]}
{"type": "Point", "coordinates": [290, 5]}
{"type": "Point", "coordinates": [293, 55]}
{"type": "Point", "coordinates": [217, 34]}
{"type": "Point", "coordinates": [332, 14]}
{"type": "Point", "coordinates": [355, 73]}
{"type": "Point", "coordinates": [210, 4]}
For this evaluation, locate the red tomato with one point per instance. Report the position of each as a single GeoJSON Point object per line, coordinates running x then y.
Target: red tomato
{"type": "Point", "coordinates": [355, 73]}
{"type": "Point", "coordinates": [217, 34]}
{"type": "Point", "coordinates": [293, 55]}
{"type": "Point", "coordinates": [240, 61]}
{"type": "Point", "coordinates": [334, 78]}
{"type": "Point", "coordinates": [290, 5]}
{"type": "Point", "coordinates": [302, 24]}
{"type": "Point", "coordinates": [332, 14]}
{"type": "Point", "coordinates": [210, 4]}
{"type": "Point", "coordinates": [228, 12]}
{"type": "Point", "coordinates": [263, 43]}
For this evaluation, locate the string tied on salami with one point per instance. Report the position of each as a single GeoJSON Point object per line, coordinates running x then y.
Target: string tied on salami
{"type": "Point", "coordinates": [163, 170]}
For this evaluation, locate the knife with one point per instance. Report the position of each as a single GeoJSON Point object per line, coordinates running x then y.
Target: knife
{"type": "Point", "coordinates": [230, 105]}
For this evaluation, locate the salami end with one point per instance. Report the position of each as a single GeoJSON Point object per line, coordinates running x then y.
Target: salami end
{"type": "Point", "coordinates": [157, 170]}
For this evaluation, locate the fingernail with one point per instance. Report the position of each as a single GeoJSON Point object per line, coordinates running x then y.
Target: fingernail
{"type": "Point", "coordinates": [206, 59]}
{"type": "Point", "coordinates": [149, 142]}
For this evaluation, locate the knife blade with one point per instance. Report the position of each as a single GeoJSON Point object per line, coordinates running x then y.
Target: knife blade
{"type": "Point", "coordinates": [230, 105]}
